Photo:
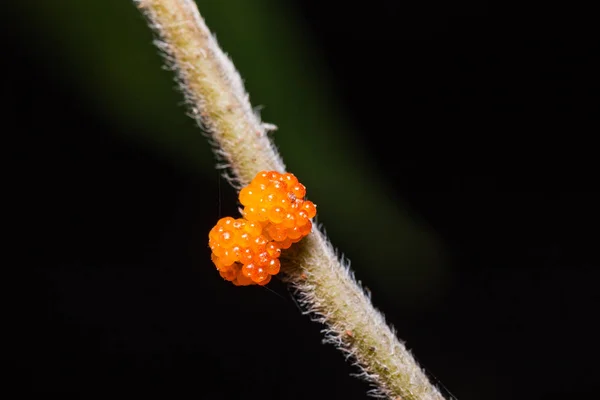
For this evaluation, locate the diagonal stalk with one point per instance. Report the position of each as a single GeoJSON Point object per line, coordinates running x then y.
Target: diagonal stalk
{"type": "Point", "coordinates": [323, 284]}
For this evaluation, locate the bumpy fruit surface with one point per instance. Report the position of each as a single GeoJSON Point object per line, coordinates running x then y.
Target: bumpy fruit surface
{"type": "Point", "coordinates": [241, 253]}
{"type": "Point", "coordinates": [276, 201]}
{"type": "Point", "coordinates": [275, 215]}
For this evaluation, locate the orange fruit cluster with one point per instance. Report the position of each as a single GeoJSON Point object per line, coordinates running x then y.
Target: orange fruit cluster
{"type": "Point", "coordinates": [277, 202]}
{"type": "Point", "coordinates": [241, 253]}
{"type": "Point", "coordinates": [246, 250]}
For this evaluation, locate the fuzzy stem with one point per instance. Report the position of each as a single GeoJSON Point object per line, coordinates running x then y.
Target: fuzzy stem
{"type": "Point", "coordinates": [323, 284]}
{"type": "Point", "coordinates": [213, 89]}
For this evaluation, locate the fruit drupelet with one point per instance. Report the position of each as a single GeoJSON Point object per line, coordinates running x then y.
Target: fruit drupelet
{"type": "Point", "coordinates": [275, 215]}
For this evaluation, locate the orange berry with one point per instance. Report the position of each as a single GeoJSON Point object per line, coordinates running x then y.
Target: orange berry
{"type": "Point", "coordinates": [214, 233]}
{"type": "Point", "coordinates": [294, 233]}
{"type": "Point", "coordinates": [242, 280]}
{"type": "Point", "coordinates": [251, 213]}
{"type": "Point", "coordinates": [285, 244]}
{"type": "Point", "coordinates": [247, 195]}
{"type": "Point", "coordinates": [302, 218]}
{"type": "Point", "coordinates": [276, 215]}
{"type": "Point", "coordinates": [215, 259]}
{"type": "Point", "coordinates": [253, 228]}
{"type": "Point", "coordinates": [265, 281]}
{"type": "Point", "coordinates": [305, 229]}
{"type": "Point", "coordinates": [228, 275]}
{"type": "Point", "coordinates": [245, 256]}
{"type": "Point", "coordinates": [263, 214]}
{"type": "Point", "coordinates": [248, 270]}
{"type": "Point", "coordinates": [226, 221]}
{"type": "Point", "coordinates": [225, 239]}
{"type": "Point", "coordinates": [296, 240]}
{"type": "Point", "coordinates": [260, 241]}
{"type": "Point", "coordinates": [259, 274]}
{"type": "Point", "coordinates": [277, 186]}
{"type": "Point", "coordinates": [244, 239]}
{"type": "Point", "coordinates": [276, 232]}
{"type": "Point", "coordinates": [310, 208]}
{"type": "Point", "coordinates": [289, 179]}
{"type": "Point", "coordinates": [289, 221]}
{"type": "Point", "coordinates": [299, 191]}
{"type": "Point", "coordinates": [273, 175]}
{"type": "Point", "coordinates": [228, 258]}
{"type": "Point", "coordinates": [284, 202]}
{"type": "Point", "coordinates": [261, 178]}
{"type": "Point", "coordinates": [273, 266]}
{"type": "Point", "coordinates": [262, 259]}
{"type": "Point", "coordinates": [216, 249]}
{"type": "Point", "coordinates": [273, 250]}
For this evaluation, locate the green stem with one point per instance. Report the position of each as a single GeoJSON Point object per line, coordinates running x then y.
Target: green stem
{"type": "Point", "coordinates": [323, 284]}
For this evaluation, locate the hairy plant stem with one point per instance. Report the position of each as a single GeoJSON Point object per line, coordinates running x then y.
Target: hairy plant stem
{"type": "Point", "coordinates": [323, 284]}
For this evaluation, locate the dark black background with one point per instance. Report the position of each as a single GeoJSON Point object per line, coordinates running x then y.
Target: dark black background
{"type": "Point", "coordinates": [501, 162]}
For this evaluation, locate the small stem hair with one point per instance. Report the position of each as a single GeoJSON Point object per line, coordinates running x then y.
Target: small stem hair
{"type": "Point", "coordinates": [321, 280]}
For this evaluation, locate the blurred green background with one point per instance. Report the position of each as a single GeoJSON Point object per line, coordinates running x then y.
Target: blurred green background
{"type": "Point", "coordinates": [409, 124]}
{"type": "Point", "coordinates": [104, 48]}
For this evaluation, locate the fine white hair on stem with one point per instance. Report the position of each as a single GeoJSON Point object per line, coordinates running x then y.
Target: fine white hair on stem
{"type": "Point", "coordinates": [213, 90]}
{"type": "Point", "coordinates": [320, 279]}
